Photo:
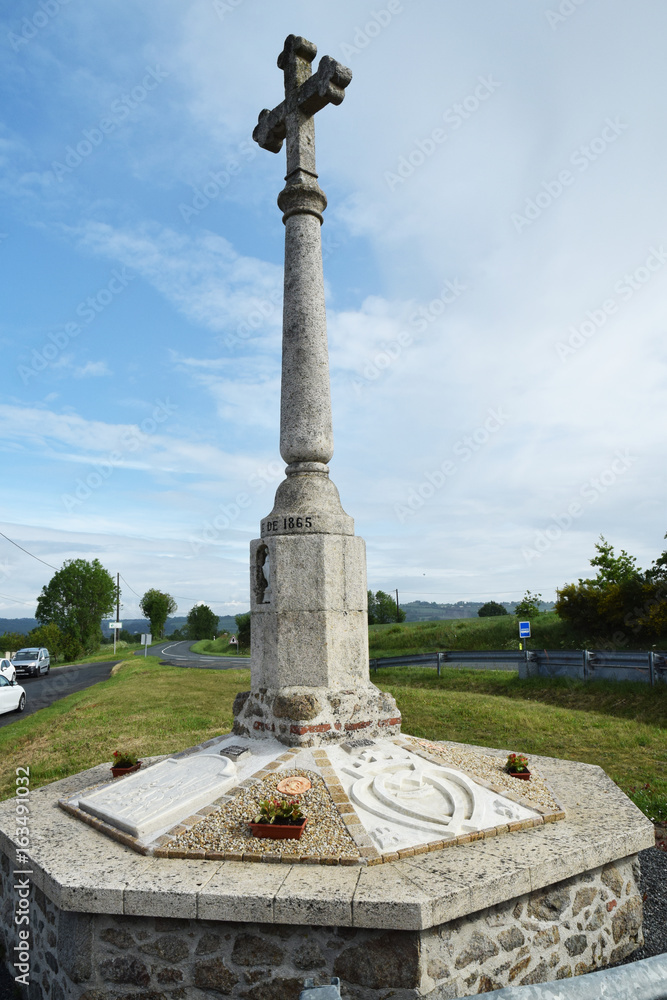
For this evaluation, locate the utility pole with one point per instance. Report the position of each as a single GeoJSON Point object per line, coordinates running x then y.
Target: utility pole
{"type": "Point", "coordinates": [398, 610]}
{"type": "Point", "coordinates": [115, 631]}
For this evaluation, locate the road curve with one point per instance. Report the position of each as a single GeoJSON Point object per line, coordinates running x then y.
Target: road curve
{"type": "Point", "coordinates": [179, 654]}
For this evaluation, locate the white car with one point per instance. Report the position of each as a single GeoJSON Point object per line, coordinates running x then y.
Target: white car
{"type": "Point", "coordinates": [32, 660]}
{"type": "Point", "coordinates": [12, 696]}
{"type": "Point", "coordinates": [7, 670]}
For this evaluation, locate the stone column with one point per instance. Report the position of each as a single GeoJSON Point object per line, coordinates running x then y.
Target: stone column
{"type": "Point", "coordinates": [309, 634]}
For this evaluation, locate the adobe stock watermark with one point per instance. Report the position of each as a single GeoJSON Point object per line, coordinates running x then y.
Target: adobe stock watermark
{"type": "Point", "coordinates": [464, 449]}
{"type": "Point", "coordinates": [455, 116]}
{"type": "Point", "coordinates": [218, 181]}
{"type": "Point", "coordinates": [364, 34]}
{"type": "Point", "coordinates": [120, 109]}
{"type": "Point", "coordinates": [32, 25]}
{"type": "Point", "coordinates": [581, 158]}
{"type": "Point", "coordinates": [132, 440]}
{"type": "Point", "coordinates": [268, 307]}
{"type": "Point", "coordinates": [213, 530]}
{"type": "Point", "coordinates": [590, 492]}
{"type": "Point", "coordinates": [418, 322]}
{"type": "Point", "coordinates": [625, 288]}
{"type": "Point", "coordinates": [225, 7]}
{"type": "Point", "coordinates": [565, 9]}
{"type": "Point", "coordinates": [87, 311]}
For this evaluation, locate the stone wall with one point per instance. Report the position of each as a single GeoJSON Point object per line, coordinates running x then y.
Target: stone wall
{"type": "Point", "coordinates": [571, 928]}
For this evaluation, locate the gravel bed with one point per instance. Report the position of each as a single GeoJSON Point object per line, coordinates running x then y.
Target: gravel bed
{"type": "Point", "coordinates": [479, 765]}
{"type": "Point", "coordinates": [227, 829]}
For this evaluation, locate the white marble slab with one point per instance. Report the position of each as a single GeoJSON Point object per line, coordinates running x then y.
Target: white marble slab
{"type": "Point", "coordinates": [403, 800]}
{"type": "Point", "coordinates": [162, 795]}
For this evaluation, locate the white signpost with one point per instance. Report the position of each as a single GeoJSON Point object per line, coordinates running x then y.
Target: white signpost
{"type": "Point", "coordinates": [115, 626]}
{"type": "Point", "coordinates": [146, 640]}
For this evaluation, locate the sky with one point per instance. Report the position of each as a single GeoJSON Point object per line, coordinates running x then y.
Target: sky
{"type": "Point", "coordinates": [495, 261]}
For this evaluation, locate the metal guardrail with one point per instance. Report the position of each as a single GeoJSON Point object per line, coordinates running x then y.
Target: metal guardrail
{"type": "Point", "coordinates": [582, 664]}
{"type": "Point", "coordinates": [644, 980]}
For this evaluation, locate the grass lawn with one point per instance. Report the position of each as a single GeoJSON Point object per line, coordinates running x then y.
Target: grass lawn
{"type": "Point", "coordinates": [217, 647]}
{"type": "Point", "coordinates": [153, 709]}
{"type": "Point", "coordinates": [144, 707]}
{"type": "Point", "coordinates": [501, 632]}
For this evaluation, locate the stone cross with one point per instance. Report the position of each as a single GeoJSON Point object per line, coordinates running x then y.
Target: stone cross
{"type": "Point", "coordinates": [309, 629]}
{"type": "Point", "coordinates": [306, 434]}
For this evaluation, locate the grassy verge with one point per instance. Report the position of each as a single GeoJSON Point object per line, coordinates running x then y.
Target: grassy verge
{"type": "Point", "coordinates": [144, 707]}
{"type": "Point", "coordinates": [217, 647]}
{"type": "Point", "coordinates": [548, 632]}
{"type": "Point", "coordinates": [153, 709]}
{"type": "Point", "coordinates": [621, 726]}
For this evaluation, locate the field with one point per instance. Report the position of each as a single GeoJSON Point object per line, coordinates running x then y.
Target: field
{"type": "Point", "coordinates": [548, 632]}
{"type": "Point", "coordinates": [147, 708]}
{"type": "Point", "coordinates": [217, 647]}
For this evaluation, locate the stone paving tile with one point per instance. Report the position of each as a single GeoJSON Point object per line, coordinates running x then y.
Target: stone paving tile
{"type": "Point", "coordinates": [306, 897]}
{"type": "Point", "coordinates": [238, 891]}
{"type": "Point", "coordinates": [165, 889]}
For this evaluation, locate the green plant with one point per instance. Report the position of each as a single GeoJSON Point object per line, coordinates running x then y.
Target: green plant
{"type": "Point", "coordinates": [123, 758]}
{"type": "Point", "coordinates": [279, 811]}
{"type": "Point", "coordinates": [516, 763]}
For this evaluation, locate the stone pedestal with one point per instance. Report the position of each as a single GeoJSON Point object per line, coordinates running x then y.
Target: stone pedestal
{"type": "Point", "coordinates": [544, 903]}
{"type": "Point", "coordinates": [309, 668]}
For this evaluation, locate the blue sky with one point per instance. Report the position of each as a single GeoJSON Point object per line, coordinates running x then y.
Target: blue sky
{"type": "Point", "coordinates": [495, 261]}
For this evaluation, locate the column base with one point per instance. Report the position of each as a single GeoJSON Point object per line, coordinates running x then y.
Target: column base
{"type": "Point", "coordinates": [312, 716]}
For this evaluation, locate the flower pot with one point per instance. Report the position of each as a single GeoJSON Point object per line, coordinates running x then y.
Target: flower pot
{"type": "Point", "coordinates": [118, 772]}
{"type": "Point", "coordinates": [278, 831]}
{"type": "Point", "coordinates": [524, 775]}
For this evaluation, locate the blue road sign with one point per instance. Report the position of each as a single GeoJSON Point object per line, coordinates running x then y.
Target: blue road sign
{"type": "Point", "coordinates": [524, 630]}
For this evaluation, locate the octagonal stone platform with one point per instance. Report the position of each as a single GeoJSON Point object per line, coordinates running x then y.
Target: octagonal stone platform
{"type": "Point", "coordinates": [546, 902]}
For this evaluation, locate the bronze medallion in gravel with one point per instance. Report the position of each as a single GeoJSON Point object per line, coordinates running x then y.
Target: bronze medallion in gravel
{"type": "Point", "coordinates": [227, 830]}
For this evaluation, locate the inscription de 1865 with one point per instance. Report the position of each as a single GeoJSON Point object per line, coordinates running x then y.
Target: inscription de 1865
{"type": "Point", "coordinates": [287, 523]}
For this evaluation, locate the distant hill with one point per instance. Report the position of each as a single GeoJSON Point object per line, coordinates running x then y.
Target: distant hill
{"type": "Point", "coordinates": [429, 611]}
{"type": "Point", "coordinates": [25, 625]}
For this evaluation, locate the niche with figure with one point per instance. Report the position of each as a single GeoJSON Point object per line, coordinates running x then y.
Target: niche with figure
{"type": "Point", "coordinates": [262, 576]}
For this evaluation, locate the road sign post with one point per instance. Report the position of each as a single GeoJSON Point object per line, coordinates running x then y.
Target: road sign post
{"type": "Point", "coordinates": [115, 626]}
{"type": "Point", "coordinates": [146, 640]}
{"type": "Point", "coordinates": [524, 632]}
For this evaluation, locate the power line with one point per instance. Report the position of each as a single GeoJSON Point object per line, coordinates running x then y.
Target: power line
{"type": "Point", "coordinates": [178, 597]}
{"type": "Point", "coordinates": [26, 551]}
{"type": "Point", "coordinates": [14, 600]}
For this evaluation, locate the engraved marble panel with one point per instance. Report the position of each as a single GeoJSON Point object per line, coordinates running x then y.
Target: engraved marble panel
{"type": "Point", "coordinates": [163, 794]}
{"type": "Point", "coordinates": [403, 800]}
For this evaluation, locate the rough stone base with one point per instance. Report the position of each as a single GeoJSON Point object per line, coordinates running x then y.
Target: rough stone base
{"type": "Point", "coordinates": [311, 716]}
{"type": "Point", "coordinates": [567, 929]}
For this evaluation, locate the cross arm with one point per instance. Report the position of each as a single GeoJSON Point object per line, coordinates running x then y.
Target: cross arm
{"type": "Point", "coordinates": [270, 130]}
{"type": "Point", "coordinates": [327, 86]}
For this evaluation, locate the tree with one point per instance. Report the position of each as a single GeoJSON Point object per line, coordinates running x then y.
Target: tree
{"type": "Point", "coordinates": [382, 609]}
{"type": "Point", "coordinates": [528, 606]}
{"type": "Point", "coordinates": [202, 623]}
{"type": "Point", "coordinates": [49, 636]}
{"type": "Point", "coordinates": [157, 607]}
{"type": "Point", "coordinates": [491, 610]}
{"type": "Point", "coordinates": [76, 599]}
{"type": "Point", "coordinates": [11, 641]}
{"type": "Point", "coordinates": [612, 568]}
{"type": "Point", "coordinates": [243, 630]}
{"type": "Point", "coordinates": [619, 602]}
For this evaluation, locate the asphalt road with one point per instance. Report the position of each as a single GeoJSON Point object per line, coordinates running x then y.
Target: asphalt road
{"type": "Point", "coordinates": [179, 654]}
{"type": "Point", "coordinates": [59, 682]}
